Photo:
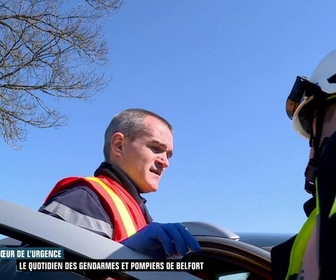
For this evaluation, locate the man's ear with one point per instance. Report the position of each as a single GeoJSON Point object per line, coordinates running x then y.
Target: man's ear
{"type": "Point", "coordinates": [117, 143]}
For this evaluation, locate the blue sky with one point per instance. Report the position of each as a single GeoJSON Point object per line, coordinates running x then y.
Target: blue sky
{"type": "Point", "coordinates": [220, 72]}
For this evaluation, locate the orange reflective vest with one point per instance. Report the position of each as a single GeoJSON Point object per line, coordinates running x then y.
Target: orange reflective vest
{"type": "Point", "coordinates": [122, 208]}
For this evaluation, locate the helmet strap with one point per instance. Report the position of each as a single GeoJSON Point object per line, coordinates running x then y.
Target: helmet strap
{"type": "Point", "coordinates": [311, 169]}
{"type": "Point", "coordinates": [310, 175]}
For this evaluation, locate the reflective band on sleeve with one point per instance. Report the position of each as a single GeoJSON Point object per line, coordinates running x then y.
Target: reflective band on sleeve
{"type": "Point", "coordinates": [70, 215]}
{"type": "Point", "coordinates": [127, 219]}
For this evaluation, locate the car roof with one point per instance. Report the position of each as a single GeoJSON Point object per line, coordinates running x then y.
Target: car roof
{"type": "Point", "coordinates": [39, 229]}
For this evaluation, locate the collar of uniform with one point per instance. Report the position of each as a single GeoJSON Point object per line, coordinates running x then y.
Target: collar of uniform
{"type": "Point", "coordinates": [115, 173]}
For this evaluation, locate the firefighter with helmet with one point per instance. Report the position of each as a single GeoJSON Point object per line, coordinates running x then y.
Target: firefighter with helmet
{"type": "Point", "coordinates": [311, 105]}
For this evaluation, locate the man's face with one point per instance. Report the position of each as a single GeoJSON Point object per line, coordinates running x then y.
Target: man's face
{"type": "Point", "coordinates": [145, 158]}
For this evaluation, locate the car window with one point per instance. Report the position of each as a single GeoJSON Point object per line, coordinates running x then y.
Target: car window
{"type": "Point", "coordinates": [227, 259]}
{"type": "Point", "coordinates": [241, 276]}
{"type": "Point", "coordinates": [235, 276]}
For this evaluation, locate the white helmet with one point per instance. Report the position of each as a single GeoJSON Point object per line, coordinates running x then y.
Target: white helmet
{"type": "Point", "coordinates": [304, 99]}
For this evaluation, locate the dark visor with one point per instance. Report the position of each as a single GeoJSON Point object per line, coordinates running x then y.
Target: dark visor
{"type": "Point", "coordinates": [302, 87]}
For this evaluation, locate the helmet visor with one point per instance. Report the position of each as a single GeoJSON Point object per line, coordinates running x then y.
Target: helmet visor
{"type": "Point", "coordinates": [304, 115]}
{"type": "Point", "coordinates": [302, 88]}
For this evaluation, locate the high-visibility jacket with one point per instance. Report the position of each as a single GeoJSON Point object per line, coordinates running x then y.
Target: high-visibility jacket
{"type": "Point", "coordinates": [300, 245]}
{"type": "Point", "coordinates": [123, 210]}
{"type": "Point", "coordinates": [302, 240]}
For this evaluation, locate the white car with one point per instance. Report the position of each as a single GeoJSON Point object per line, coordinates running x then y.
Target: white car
{"type": "Point", "coordinates": [225, 255]}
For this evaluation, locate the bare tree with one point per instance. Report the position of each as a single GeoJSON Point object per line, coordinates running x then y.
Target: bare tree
{"type": "Point", "coordinates": [49, 50]}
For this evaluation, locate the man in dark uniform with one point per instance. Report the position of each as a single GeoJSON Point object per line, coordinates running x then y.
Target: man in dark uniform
{"type": "Point", "coordinates": [137, 149]}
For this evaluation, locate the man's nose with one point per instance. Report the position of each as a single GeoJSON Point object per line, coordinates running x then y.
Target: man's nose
{"type": "Point", "coordinates": [163, 160]}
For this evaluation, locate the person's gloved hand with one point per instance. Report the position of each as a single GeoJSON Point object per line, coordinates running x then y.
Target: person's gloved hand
{"type": "Point", "coordinates": [162, 240]}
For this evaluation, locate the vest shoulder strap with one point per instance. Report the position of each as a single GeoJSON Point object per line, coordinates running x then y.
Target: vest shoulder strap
{"type": "Point", "coordinates": [123, 210]}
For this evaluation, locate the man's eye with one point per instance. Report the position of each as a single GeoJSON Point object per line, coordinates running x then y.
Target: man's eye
{"type": "Point", "coordinates": [156, 149]}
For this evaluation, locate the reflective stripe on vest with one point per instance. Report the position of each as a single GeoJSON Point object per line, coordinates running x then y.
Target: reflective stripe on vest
{"type": "Point", "coordinates": [302, 239]}
{"type": "Point", "coordinates": [123, 210]}
{"type": "Point", "coordinates": [333, 209]}
{"type": "Point", "coordinates": [129, 225]}
{"type": "Point", "coordinates": [300, 245]}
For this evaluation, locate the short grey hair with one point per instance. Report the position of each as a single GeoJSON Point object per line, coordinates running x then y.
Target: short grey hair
{"type": "Point", "coordinates": [129, 122]}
